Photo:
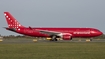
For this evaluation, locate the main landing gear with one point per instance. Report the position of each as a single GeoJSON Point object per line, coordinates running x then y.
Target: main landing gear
{"type": "Point", "coordinates": [53, 38]}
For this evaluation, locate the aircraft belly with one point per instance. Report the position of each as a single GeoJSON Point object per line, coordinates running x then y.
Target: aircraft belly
{"type": "Point", "coordinates": [81, 35]}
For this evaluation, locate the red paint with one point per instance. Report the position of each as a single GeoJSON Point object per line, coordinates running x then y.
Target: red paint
{"type": "Point", "coordinates": [15, 26]}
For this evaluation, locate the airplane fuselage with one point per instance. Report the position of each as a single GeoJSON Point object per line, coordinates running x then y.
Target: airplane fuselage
{"type": "Point", "coordinates": [76, 32]}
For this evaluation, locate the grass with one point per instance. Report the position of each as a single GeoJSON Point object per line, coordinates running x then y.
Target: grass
{"type": "Point", "coordinates": [71, 50]}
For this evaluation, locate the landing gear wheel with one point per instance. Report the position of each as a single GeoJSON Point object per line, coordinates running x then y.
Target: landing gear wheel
{"type": "Point", "coordinates": [54, 38]}
{"type": "Point", "coordinates": [91, 39]}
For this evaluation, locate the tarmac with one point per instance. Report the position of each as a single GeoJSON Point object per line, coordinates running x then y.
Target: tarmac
{"type": "Point", "coordinates": [47, 41]}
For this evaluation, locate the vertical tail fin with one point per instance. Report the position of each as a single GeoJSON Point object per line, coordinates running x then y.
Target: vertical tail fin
{"type": "Point", "coordinates": [12, 22]}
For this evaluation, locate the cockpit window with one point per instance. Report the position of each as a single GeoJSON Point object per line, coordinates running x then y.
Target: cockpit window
{"type": "Point", "coordinates": [95, 30]}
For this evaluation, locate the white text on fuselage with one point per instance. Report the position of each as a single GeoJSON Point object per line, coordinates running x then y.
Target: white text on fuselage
{"type": "Point", "coordinates": [81, 32]}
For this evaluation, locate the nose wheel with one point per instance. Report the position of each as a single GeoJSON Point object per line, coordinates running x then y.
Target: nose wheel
{"type": "Point", "coordinates": [88, 40]}
{"type": "Point", "coordinates": [91, 39]}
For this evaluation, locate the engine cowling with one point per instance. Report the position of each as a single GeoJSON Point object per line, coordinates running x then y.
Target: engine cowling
{"type": "Point", "coordinates": [66, 36]}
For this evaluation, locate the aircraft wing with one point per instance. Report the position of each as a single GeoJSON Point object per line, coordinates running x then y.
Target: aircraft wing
{"type": "Point", "coordinates": [51, 32]}
{"type": "Point", "coordinates": [48, 32]}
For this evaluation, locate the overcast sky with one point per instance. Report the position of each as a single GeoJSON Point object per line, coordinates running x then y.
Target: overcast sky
{"type": "Point", "coordinates": [54, 13]}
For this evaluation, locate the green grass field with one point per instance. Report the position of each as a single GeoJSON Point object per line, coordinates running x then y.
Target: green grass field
{"type": "Point", "coordinates": [57, 50]}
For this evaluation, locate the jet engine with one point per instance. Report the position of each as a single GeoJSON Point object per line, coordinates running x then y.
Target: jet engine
{"type": "Point", "coordinates": [66, 36]}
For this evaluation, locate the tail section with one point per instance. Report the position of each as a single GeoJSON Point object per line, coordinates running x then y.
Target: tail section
{"type": "Point", "coordinates": [12, 22]}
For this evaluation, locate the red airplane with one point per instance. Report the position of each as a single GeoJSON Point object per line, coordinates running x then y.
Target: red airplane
{"type": "Point", "coordinates": [53, 33]}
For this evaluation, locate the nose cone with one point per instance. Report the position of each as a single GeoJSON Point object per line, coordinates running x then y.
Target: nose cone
{"type": "Point", "coordinates": [99, 33]}
{"type": "Point", "coordinates": [96, 33]}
